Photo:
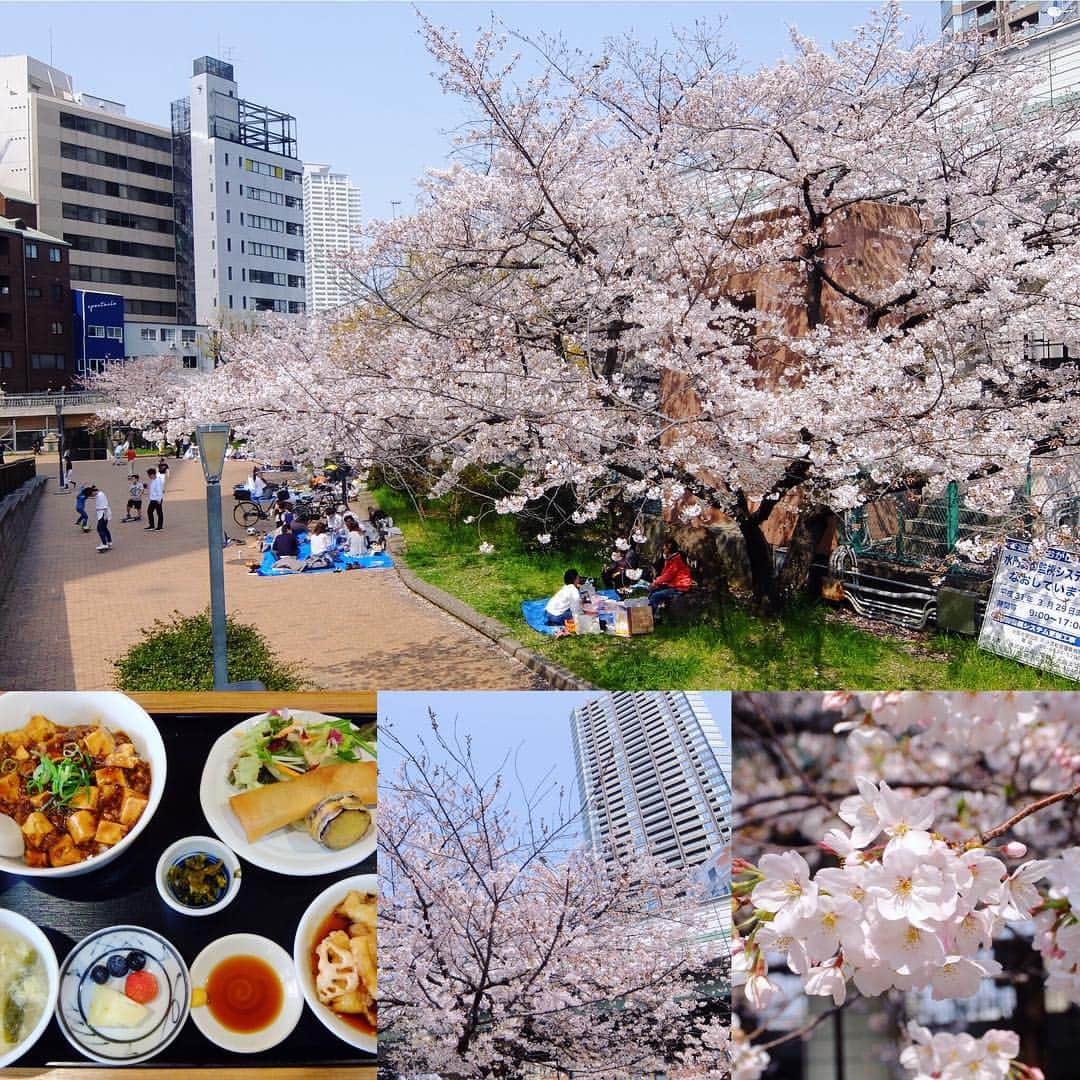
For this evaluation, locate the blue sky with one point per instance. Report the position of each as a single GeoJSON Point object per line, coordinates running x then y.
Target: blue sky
{"type": "Point", "coordinates": [356, 75]}
{"type": "Point", "coordinates": [529, 731]}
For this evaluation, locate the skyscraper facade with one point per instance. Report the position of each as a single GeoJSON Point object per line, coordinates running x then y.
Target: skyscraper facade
{"type": "Point", "coordinates": [653, 772]}
{"type": "Point", "coordinates": [331, 220]}
{"type": "Point", "coordinates": [240, 211]}
{"type": "Point", "coordinates": [101, 180]}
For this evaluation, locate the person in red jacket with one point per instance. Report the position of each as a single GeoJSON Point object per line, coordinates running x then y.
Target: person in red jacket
{"type": "Point", "coordinates": [674, 579]}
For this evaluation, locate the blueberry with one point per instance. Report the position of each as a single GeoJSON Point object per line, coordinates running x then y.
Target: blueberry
{"type": "Point", "coordinates": [99, 974]}
{"type": "Point", "coordinates": [136, 960]}
{"type": "Point", "coordinates": [118, 966]}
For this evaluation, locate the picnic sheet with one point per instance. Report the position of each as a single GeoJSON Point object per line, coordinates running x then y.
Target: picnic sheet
{"type": "Point", "coordinates": [533, 610]}
{"type": "Point", "coordinates": [341, 562]}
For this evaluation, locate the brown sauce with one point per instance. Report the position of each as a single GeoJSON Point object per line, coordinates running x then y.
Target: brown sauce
{"type": "Point", "coordinates": [244, 994]}
{"type": "Point", "coordinates": [332, 923]}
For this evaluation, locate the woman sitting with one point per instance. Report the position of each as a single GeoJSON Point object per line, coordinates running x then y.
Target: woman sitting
{"type": "Point", "coordinates": [358, 545]}
{"type": "Point", "coordinates": [614, 574]}
{"type": "Point", "coordinates": [322, 547]}
{"type": "Point", "coordinates": [673, 580]}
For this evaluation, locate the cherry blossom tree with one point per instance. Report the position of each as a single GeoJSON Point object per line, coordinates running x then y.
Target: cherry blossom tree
{"type": "Point", "coordinates": [656, 275]}
{"type": "Point", "coordinates": [504, 944]}
{"type": "Point", "coordinates": [909, 843]}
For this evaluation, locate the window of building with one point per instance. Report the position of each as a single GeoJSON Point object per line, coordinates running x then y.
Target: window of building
{"type": "Point", "coordinates": [56, 328]}
{"type": "Point", "coordinates": [47, 361]}
{"type": "Point", "coordinates": [5, 285]}
{"type": "Point", "coordinates": [168, 334]}
{"type": "Point", "coordinates": [118, 191]}
{"type": "Point", "coordinates": [109, 275]}
{"type": "Point", "coordinates": [34, 293]}
{"type": "Point", "coordinates": [5, 324]}
{"type": "Point", "coordinates": [230, 273]}
{"type": "Point", "coordinates": [187, 336]}
{"type": "Point", "coordinates": [297, 307]}
{"type": "Point", "coordinates": [56, 292]}
{"type": "Point", "coordinates": [104, 130]}
{"type": "Point", "coordinates": [191, 361]}
{"type": "Point", "coordinates": [243, 302]}
{"type": "Point", "coordinates": [31, 251]}
{"type": "Point", "coordinates": [226, 187]}
{"type": "Point", "coordinates": [228, 217]}
{"type": "Point", "coordinates": [295, 281]}
{"type": "Point", "coordinates": [54, 254]}
{"type": "Point", "coordinates": [230, 301]}
{"type": "Point", "coordinates": [243, 273]}
{"type": "Point", "coordinates": [93, 331]}
{"type": "Point", "coordinates": [115, 333]}
{"type": "Point", "coordinates": [228, 243]}
{"type": "Point", "coordinates": [7, 359]}
{"type": "Point", "coordinates": [226, 159]}
{"type": "Point", "coordinates": [130, 248]}
{"type": "Point", "coordinates": [148, 333]}
{"type": "Point", "coordinates": [241, 247]}
{"type": "Point", "coordinates": [115, 161]}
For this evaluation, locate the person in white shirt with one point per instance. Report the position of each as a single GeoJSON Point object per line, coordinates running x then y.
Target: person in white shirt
{"type": "Point", "coordinates": [156, 493]}
{"type": "Point", "coordinates": [336, 521]}
{"type": "Point", "coordinates": [320, 539]}
{"type": "Point", "coordinates": [256, 485]}
{"type": "Point", "coordinates": [566, 603]}
{"type": "Point", "coordinates": [357, 540]}
{"type": "Point", "coordinates": [104, 516]}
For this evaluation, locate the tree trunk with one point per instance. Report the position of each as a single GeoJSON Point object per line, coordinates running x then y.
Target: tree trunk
{"type": "Point", "coordinates": [810, 527]}
{"type": "Point", "coordinates": [763, 581]}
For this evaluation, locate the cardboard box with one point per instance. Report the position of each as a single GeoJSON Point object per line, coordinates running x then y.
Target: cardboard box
{"type": "Point", "coordinates": [631, 621]}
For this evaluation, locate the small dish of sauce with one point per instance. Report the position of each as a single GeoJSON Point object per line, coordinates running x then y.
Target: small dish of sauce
{"type": "Point", "coordinates": [244, 994]}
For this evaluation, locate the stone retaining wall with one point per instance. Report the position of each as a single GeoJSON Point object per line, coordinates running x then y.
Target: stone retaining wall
{"type": "Point", "coordinates": [16, 513]}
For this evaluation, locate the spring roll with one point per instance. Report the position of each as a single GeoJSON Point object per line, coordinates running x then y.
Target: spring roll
{"type": "Point", "coordinates": [273, 806]}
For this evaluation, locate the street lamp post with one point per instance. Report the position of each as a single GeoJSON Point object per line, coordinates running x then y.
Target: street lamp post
{"type": "Point", "coordinates": [60, 436]}
{"type": "Point", "coordinates": [213, 440]}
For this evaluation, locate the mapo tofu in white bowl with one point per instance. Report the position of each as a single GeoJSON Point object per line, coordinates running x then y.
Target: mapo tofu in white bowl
{"type": "Point", "coordinates": [81, 774]}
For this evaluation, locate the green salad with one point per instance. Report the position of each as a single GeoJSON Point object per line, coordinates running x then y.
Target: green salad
{"type": "Point", "coordinates": [280, 746]}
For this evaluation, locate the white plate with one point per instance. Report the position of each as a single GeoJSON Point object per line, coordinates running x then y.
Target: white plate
{"type": "Point", "coordinates": [115, 712]}
{"type": "Point", "coordinates": [292, 1004]}
{"type": "Point", "coordinates": [318, 911]}
{"type": "Point", "coordinates": [166, 1013]}
{"type": "Point", "coordinates": [285, 851]}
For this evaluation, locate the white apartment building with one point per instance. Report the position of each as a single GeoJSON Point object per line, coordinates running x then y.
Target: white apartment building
{"type": "Point", "coordinates": [332, 219]}
{"type": "Point", "coordinates": [653, 772]}
{"type": "Point", "coordinates": [192, 347]}
{"type": "Point", "coordinates": [101, 180]}
{"type": "Point", "coordinates": [240, 214]}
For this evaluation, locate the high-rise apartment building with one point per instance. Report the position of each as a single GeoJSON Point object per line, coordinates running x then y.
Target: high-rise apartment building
{"type": "Point", "coordinates": [239, 195]}
{"type": "Point", "coordinates": [101, 180]}
{"type": "Point", "coordinates": [331, 220]}
{"type": "Point", "coordinates": [652, 770]}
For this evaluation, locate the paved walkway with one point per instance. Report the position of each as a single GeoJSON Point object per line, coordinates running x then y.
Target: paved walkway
{"type": "Point", "coordinates": [71, 610]}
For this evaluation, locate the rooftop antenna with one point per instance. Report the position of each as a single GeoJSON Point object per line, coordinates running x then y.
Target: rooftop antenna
{"type": "Point", "coordinates": [50, 47]}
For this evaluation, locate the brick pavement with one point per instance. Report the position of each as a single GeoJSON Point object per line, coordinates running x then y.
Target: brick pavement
{"type": "Point", "coordinates": [71, 610]}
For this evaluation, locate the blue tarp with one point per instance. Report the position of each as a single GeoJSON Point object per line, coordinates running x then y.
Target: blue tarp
{"type": "Point", "coordinates": [341, 562]}
{"type": "Point", "coordinates": [533, 610]}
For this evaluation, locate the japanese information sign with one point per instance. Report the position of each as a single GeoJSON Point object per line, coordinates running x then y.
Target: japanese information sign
{"type": "Point", "coordinates": [1033, 614]}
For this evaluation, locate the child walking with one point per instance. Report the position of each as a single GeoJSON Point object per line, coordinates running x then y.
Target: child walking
{"type": "Point", "coordinates": [83, 519]}
{"type": "Point", "coordinates": [135, 497]}
{"type": "Point", "coordinates": [104, 516]}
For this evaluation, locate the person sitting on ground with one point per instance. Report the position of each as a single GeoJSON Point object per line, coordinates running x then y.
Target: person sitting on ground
{"type": "Point", "coordinates": [674, 578]}
{"type": "Point", "coordinates": [335, 523]}
{"type": "Point", "coordinates": [322, 553]}
{"type": "Point", "coordinates": [285, 543]}
{"type": "Point", "coordinates": [566, 603]}
{"type": "Point", "coordinates": [614, 574]}
{"type": "Point", "coordinates": [357, 540]}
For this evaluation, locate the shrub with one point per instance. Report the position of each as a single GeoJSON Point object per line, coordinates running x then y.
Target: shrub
{"type": "Point", "coordinates": [177, 654]}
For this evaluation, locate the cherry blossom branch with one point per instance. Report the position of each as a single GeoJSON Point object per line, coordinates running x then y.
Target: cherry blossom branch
{"type": "Point", "coordinates": [1027, 811]}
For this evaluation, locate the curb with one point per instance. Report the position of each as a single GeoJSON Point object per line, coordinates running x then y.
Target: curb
{"type": "Point", "coordinates": [557, 677]}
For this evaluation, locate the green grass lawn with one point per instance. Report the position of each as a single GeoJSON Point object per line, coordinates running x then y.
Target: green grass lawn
{"type": "Point", "coordinates": [732, 649]}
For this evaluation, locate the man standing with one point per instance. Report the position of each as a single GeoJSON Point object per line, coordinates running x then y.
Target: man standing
{"type": "Point", "coordinates": [156, 493]}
